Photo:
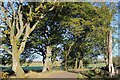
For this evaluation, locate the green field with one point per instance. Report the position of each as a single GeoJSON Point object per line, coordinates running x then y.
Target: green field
{"type": "Point", "coordinates": [39, 66]}
{"type": "Point", "coordinates": [28, 68]}
{"type": "Point", "coordinates": [97, 65]}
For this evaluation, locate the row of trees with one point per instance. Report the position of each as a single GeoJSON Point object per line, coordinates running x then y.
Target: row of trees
{"type": "Point", "coordinates": [75, 32]}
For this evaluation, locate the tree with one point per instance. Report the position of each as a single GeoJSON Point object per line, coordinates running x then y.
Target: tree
{"type": "Point", "coordinates": [110, 60]}
{"type": "Point", "coordinates": [47, 34]}
{"type": "Point", "coordinates": [19, 27]}
{"type": "Point", "coordinates": [89, 29]}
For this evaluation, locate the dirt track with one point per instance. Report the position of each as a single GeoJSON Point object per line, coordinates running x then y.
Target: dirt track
{"type": "Point", "coordinates": [56, 74]}
{"type": "Point", "coordinates": [62, 74]}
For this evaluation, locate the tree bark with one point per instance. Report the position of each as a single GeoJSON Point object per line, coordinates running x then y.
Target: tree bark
{"type": "Point", "coordinates": [16, 66]}
{"type": "Point", "coordinates": [106, 60]}
{"type": "Point", "coordinates": [76, 62]}
{"type": "Point", "coordinates": [81, 60]}
{"type": "Point", "coordinates": [80, 64]}
{"type": "Point", "coordinates": [110, 63]}
{"type": "Point", "coordinates": [46, 60]}
{"type": "Point", "coordinates": [65, 62]}
{"type": "Point", "coordinates": [45, 64]}
{"type": "Point", "coordinates": [66, 55]}
{"type": "Point", "coordinates": [17, 27]}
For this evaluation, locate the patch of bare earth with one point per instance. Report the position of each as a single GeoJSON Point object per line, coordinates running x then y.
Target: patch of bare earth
{"type": "Point", "coordinates": [53, 74]}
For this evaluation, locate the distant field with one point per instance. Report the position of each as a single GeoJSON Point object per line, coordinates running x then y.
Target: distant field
{"type": "Point", "coordinates": [34, 64]}
{"type": "Point", "coordinates": [27, 68]}
{"type": "Point", "coordinates": [38, 66]}
{"type": "Point", "coordinates": [97, 65]}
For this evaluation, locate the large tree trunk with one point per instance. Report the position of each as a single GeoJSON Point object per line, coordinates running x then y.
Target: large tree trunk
{"type": "Point", "coordinates": [45, 64]}
{"type": "Point", "coordinates": [76, 63]}
{"type": "Point", "coordinates": [16, 66]}
{"type": "Point", "coordinates": [80, 63]}
{"type": "Point", "coordinates": [46, 60]}
{"type": "Point", "coordinates": [17, 28]}
{"type": "Point", "coordinates": [110, 63]}
{"type": "Point", "coordinates": [65, 63]}
{"type": "Point", "coordinates": [66, 55]}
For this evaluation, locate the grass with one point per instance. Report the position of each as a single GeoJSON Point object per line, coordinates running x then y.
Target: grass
{"type": "Point", "coordinates": [33, 64]}
{"type": "Point", "coordinates": [38, 66]}
{"type": "Point", "coordinates": [35, 68]}
{"type": "Point", "coordinates": [97, 65]}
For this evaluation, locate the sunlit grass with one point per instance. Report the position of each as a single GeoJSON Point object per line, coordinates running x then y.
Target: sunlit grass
{"type": "Point", "coordinates": [97, 65]}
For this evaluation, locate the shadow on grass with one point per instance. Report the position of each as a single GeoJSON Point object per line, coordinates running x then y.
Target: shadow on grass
{"type": "Point", "coordinates": [95, 73]}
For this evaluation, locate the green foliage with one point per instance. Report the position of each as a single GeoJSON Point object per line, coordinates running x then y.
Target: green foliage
{"type": "Point", "coordinates": [116, 61]}
{"type": "Point", "coordinates": [80, 76]}
{"type": "Point", "coordinates": [89, 27]}
{"type": "Point", "coordinates": [83, 24]}
{"type": "Point", "coordinates": [97, 71]}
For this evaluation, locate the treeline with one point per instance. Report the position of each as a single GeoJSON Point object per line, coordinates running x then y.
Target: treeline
{"type": "Point", "coordinates": [73, 32]}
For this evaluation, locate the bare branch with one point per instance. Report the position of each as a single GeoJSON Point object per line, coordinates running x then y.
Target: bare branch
{"type": "Point", "coordinates": [13, 25]}
{"type": "Point", "coordinates": [19, 9]}
{"type": "Point", "coordinates": [70, 48]}
{"type": "Point", "coordinates": [22, 26]}
{"type": "Point", "coordinates": [22, 45]}
{"type": "Point", "coordinates": [20, 20]}
{"type": "Point", "coordinates": [7, 11]}
{"type": "Point", "coordinates": [12, 7]}
{"type": "Point", "coordinates": [34, 26]}
{"type": "Point", "coordinates": [36, 9]}
{"type": "Point", "coordinates": [9, 23]}
{"type": "Point", "coordinates": [20, 17]}
{"type": "Point", "coordinates": [30, 11]}
{"type": "Point", "coordinates": [20, 31]}
{"type": "Point", "coordinates": [17, 26]}
{"type": "Point", "coordinates": [51, 8]}
{"type": "Point", "coordinates": [7, 20]}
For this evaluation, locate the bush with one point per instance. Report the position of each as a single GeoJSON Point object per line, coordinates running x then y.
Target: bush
{"type": "Point", "coordinates": [97, 71]}
{"type": "Point", "coordinates": [116, 61]}
{"type": "Point", "coordinates": [86, 62]}
{"type": "Point", "coordinates": [80, 76]}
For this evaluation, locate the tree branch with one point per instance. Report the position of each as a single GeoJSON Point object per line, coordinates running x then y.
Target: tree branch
{"type": "Point", "coordinates": [19, 9]}
{"type": "Point", "coordinates": [17, 27]}
{"type": "Point", "coordinates": [6, 17]}
{"type": "Point", "coordinates": [22, 45]}
{"type": "Point", "coordinates": [34, 26]}
{"type": "Point", "coordinates": [7, 10]}
{"type": "Point", "coordinates": [20, 20]}
{"type": "Point", "coordinates": [12, 7]}
{"type": "Point", "coordinates": [70, 48]}
{"type": "Point", "coordinates": [22, 26]}
{"type": "Point", "coordinates": [30, 11]}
